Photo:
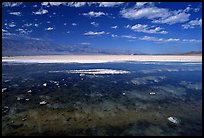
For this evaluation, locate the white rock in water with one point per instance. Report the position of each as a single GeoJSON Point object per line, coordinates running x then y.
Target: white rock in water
{"type": "Point", "coordinates": [82, 75]}
{"type": "Point", "coordinates": [43, 103]}
{"type": "Point", "coordinates": [18, 98]}
{"type": "Point", "coordinates": [45, 84]}
{"type": "Point", "coordinates": [123, 93]}
{"type": "Point", "coordinates": [152, 93]}
{"type": "Point", "coordinates": [4, 89]}
{"type": "Point", "coordinates": [29, 91]}
{"type": "Point", "coordinates": [173, 120]}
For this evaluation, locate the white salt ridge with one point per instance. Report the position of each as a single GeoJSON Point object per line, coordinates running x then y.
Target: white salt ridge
{"type": "Point", "coordinates": [94, 71]}
{"type": "Point", "coordinates": [100, 59]}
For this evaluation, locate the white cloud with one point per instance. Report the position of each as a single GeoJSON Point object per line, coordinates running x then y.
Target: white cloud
{"type": "Point", "coordinates": [12, 24]}
{"type": "Point", "coordinates": [24, 31]}
{"type": "Point", "coordinates": [15, 13]}
{"type": "Point", "coordinates": [113, 35]}
{"type": "Point", "coordinates": [12, 4]}
{"type": "Point", "coordinates": [94, 14]}
{"type": "Point", "coordinates": [147, 12]}
{"type": "Point", "coordinates": [191, 41]}
{"type": "Point", "coordinates": [155, 39]}
{"type": "Point", "coordinates": [163, 40]}
{"type": "Point", "coordinates": [74, 24]}
{"type": "Point", "coordinates": [84, 43]}
{"type": "Point", "coordinates": [148, 38]}
{"type": "Point", "coordinates": [129, 36]}
{"type": "Point", "coordinates": [114, 27]}
{"type": "Point", "coordinates": [36, 25]}
{"type": "Point", "coordinates": [177, 17]}
{"type": "Point", "coordinates": [70, 4]}
{"type": "Point", "coordinates": [49, 28]}
{"type": "Point", "coordinates": [159, 40]}
{"type": "Point", "coordinates": [4, 30]}
{"type": "Point", "coordinates": [192, 24]}
{"type": "Point", "coordinates": [147, 29]}
{"type": "Point", "coordinates": [196, 10]}
{"type": "Point", "coordinates": [28, 24]}
{"type": "Point", "coordinates": [76, 4]}
{"type": "Point", "coordinates": [109, 4]}
{"type": "Point", "coordinates": [94, 33]}
{"type": "Point", "coordinates": [157, 15]}
{"type": "Point", "coordinates": [172, 40]}
{"type": "Point", "coordinates": [94, 24]}
{"type": "Point", "coordinates": [41, 11]}
{"type": "Point", "coordinates": [141, 4]}
{"type": "Point", "coordinates": [127, 26]}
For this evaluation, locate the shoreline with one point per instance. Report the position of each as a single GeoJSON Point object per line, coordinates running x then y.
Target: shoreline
{"type": "Point", "coordinates": [101, 58]}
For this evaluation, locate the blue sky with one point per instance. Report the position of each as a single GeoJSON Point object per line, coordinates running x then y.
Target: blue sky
{"type": "Point", "coordinates": [148, 27]}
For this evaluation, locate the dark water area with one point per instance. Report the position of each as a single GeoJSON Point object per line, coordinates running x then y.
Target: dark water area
{"type": "Point", "coordinates": [48, 99]}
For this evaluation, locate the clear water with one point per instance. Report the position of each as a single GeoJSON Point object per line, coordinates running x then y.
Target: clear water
{"type": "Point", "coordinates": [137, 103]}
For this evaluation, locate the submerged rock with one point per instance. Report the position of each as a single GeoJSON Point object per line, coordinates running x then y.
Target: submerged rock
{"type": "Point", "coordinates": [29, 91]}
{"type": "Point", "coordinates": [152, 93]}
{"type": "Point", "coordinates": [4, 89]}
{"type": "Point", "coordinates": [5, 109]}
{"type": "Point", "coordinates": [20, 97]}
{"type": "Point", "coordinates": [174, 120]}
{"type": "Point", "coordinates": [43, 102]}
{"type": "Point", "coordinates": [82, 74]}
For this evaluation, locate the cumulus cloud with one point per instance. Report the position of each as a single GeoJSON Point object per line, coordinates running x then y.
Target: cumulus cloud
{"type": "Point", "coordinates": [191, 24]}
{"type": "Point", "coordinates": [24, 31]}
{"type": "Point", "coordinates": [49, 28]}
{"type": "Point", "coordinates": [129, 36]}
{"type": "Point", "coordinates": [74, 24]}
{"type": "Point", "coordinates": [109, 4]}
{"type": "Point", "coordinates": [15, 13]}
{"type": "Point", "coordinates": [157, 15]}
{"type": "Point", "coordinates": [76, 4]}
{"type": "Point", "coordinates": [11, 4]}
{"type": "Point", "coordinates": [176, 17]}
{"type": "Point", "coordinates": [94, 24]}
{"type": "Point", "coordinates": [28, 24]}
{"type": "Point", "coordinates": [12, 24]}
{"type": "Point", "coordinates": [113, 35]}
{"type": "Point", "coordinates": [114, 27]}
{"type": "Point", "coordinates": [70, 4]}
{"type": "Point", "coordinates": [160, 40]}
{"type": "Point", "coordinates": [191, 41]}
{"type": "Point", "coordinates": [41, 11]}
{"type": "Point", "coordinates": [163, 40]}
{"type": "Point", "coordinates": [147, 29]}
{"type": "Point", "coordinates": [94, 33]}
{"type": "Point", "coordinates": [94, 14]}
{"type": "Point", "coordinates": [155, 39]}
{"type": "Point", "coordinates": [84, 43]}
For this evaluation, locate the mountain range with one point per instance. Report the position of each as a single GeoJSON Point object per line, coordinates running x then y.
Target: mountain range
{"type": "Point", "coordinates": [31, 47]}
{"type": "Point", "coordinates": [28, 47]}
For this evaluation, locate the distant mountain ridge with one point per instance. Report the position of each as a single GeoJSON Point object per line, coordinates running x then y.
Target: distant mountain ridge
{"type": "Point", "coordinates": [31, 47]}
{"type": "Point", "coordinates": [28, 47]}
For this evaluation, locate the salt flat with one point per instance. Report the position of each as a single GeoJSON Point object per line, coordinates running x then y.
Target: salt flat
{"type": "Point", "coordinates": [101, 58]}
